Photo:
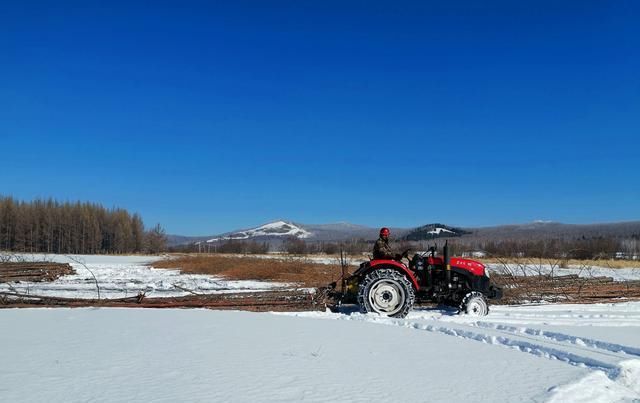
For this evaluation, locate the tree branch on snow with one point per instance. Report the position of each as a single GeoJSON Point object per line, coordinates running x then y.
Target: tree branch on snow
{"type": "Point", "coordinates": [186, 289]}
{"type": "Point", "coordinates": [80, 262]}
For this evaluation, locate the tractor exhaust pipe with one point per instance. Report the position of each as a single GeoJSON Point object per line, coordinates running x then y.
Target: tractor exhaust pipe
{"type": "Point", "coordinates": [445, 251]}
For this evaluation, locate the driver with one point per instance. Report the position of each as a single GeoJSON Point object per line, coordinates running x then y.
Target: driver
{"type": "Point", "coordinates": [382, 250]}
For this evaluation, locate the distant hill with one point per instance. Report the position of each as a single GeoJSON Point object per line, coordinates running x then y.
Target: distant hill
{"type": "Point", "coordinates": [547, 230]}
{"type": "Point", "coordinates": [276, 231]}
{"type": "Point", "coordinates": [175, 240]}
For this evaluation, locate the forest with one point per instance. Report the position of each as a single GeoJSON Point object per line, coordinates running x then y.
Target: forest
{"type": "Point", "coordinates": [50, 226]}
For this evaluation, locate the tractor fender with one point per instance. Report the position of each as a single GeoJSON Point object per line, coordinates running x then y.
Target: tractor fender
{"type": "Point", "coordinates": [384, 264]}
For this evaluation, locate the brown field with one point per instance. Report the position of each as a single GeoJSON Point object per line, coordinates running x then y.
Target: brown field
{"type": "Point", "coordinates": [305, 273]}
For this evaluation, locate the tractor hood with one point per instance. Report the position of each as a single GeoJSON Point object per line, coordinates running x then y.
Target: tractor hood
{"type": "Point", "coordinates": [476, 268]}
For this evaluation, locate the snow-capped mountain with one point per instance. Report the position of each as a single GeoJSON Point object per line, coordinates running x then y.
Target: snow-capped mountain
{"type": "Point", "coordinates": [432, 231]}
{"type": "Point", "coordinates": [439, 230]}
{"type": "Point", "coordinates": [273, 229]}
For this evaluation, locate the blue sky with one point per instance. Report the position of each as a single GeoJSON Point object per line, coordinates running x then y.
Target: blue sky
{"type": "Point", "coordinates": [210, 116]}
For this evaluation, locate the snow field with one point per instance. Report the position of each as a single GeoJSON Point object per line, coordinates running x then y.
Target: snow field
{"type": "Point", "coordinates": [107, 355]}
{"type": "Point", "coordinates": [614, 368]}
{"type": "Point", "coordinates": [545, 352]}
{"type": "Point", "coordinates": [568, 353]}
{"type": "Point", "coordinates": [126, 276]}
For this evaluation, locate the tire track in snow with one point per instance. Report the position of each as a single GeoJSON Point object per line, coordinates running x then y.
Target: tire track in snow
{"type": "Point", "coordinates": [615, 379]}
{"type": "Point", "coordinates": [597, 315]}
{"type": "Point", "coordinates": [561, 337]}
{"type": "Point", "coordinates": [597, 387]}
{"type": "Point", "coordinates": [516, 343]}
{"type": "Point", "coordinates": [524, 346]}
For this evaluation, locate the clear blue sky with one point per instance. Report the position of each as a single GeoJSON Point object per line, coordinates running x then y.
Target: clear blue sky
{"type": "Point", "coordinates": [208, 116]}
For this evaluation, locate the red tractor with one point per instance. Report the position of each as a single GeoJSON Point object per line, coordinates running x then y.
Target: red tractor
{"type": "Point", "coordinates": [390, 287]}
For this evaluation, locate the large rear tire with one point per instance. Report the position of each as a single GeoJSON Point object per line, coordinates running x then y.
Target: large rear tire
{"type": "Point", "coordinates": [386, 292]}
{"type": "Point", "coordinates": [474, 304]}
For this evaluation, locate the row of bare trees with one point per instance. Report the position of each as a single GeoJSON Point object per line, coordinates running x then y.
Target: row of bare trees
{"type": "Point", "coordinates": [49, 226]}
{"type": "Point", "coordinates": [291, 245]}
{"type": "Point", "coordinates": [579, 248]}
{"type": "Point", "coordinates": [296, 246]}
{"type": "Point", "coordinates": [599, 247]}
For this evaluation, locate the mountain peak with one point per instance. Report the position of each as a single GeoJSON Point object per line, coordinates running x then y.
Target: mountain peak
{"type": "Point", "coordinates": [432, 231]}
{"type": "Point", "coordinates": [279, 228]}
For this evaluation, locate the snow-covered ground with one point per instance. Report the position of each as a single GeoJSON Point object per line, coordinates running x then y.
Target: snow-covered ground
{"type": "Point", "coordinates": [122, 276]}
{"type": "Point", "coordinates": [548, 352]}
{"type": "Point", "coordinates": [559, 353]}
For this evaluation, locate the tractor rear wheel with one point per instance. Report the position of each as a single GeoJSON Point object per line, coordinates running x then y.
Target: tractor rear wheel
{"type": "Point", "coordinates": [386, 292]}
{"type": "Point", "coordinates": [475, 304]}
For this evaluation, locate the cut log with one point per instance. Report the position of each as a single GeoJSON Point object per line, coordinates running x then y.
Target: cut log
{"type": "Point", "coordinates": [33, 271]}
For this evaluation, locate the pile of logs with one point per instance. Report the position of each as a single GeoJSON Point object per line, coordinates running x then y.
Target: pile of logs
{"type": "Point", "coordinates": [569, 288]}
{"type": "Point", "coordinates": [249, 301]}
{"type": "Point", "coordinates": [33, 271]}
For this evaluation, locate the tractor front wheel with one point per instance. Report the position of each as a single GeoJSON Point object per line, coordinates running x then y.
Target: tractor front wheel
{"type": "Point", "coordinates": [386, 292]}
{"type": "Point", "coordinates": [475, 304]}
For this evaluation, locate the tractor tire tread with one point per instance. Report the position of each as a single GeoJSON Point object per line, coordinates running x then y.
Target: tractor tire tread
{"type": "Point", "coordinates": [390, 274]}
{"type": "Point", "coordinates": [468, 297]}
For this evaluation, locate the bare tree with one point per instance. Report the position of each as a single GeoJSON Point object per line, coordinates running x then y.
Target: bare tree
{"type": "Point", "coordinates": [156, 239]}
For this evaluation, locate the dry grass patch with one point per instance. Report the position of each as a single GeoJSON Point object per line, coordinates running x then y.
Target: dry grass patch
{"type": "Point", "coordinates": [247, 268]}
